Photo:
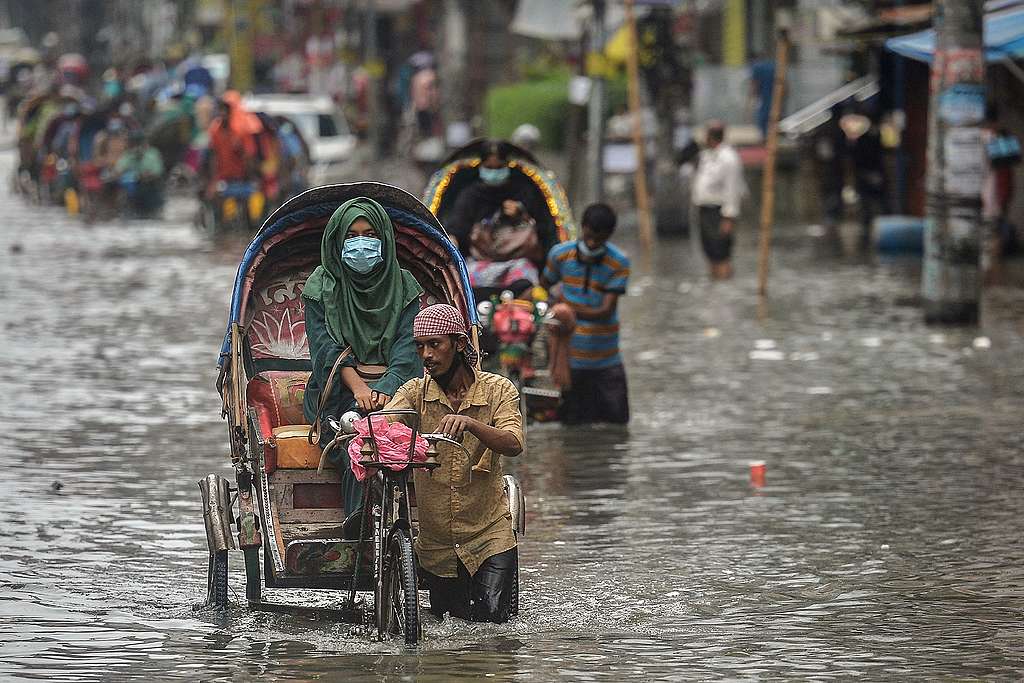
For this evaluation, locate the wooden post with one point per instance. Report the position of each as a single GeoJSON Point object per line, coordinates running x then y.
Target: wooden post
{"type": "Point", "coordinates": [643, 208]}
{"type": "Point", "coordinates": [768, 184]}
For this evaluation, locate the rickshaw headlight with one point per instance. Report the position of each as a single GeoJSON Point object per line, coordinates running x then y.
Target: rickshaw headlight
{"type": "Point", "coordinates": [484, 308]}
{"type": "Point", "coordinates": [348, 422]}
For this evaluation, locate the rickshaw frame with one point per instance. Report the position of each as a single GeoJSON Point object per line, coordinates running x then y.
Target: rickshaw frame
{"type": "Point", "coordinates": [255, 521]}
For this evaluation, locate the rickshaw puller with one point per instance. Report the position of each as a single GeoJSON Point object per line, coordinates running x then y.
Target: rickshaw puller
{"type": "Point", "coordinates": [466, 545]}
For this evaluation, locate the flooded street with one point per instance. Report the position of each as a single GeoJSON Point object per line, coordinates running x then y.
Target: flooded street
{"type": "Point", "coordinates": [886, 543]}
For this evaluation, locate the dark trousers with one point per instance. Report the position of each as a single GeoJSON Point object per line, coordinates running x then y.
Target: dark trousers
{"type": "Point", "coordinates": [597, 395]}
{"type": "Point", "coordinates": [488, 595]}
{"type": "Point", "coordinates": [716, 244]}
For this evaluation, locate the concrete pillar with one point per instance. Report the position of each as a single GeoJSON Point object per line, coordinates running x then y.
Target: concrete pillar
{"type": "Point", "coordinates": [452, 64]}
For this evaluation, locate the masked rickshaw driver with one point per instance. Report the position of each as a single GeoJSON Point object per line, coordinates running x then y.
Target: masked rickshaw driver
{"type": "Point", "coordinates": [466, 546]}
{"type": "Point", "coordinates": [358, 300]}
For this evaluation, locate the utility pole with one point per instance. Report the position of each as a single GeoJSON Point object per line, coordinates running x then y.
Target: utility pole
{"type": "Point", "coordinates": [452, 70]}
{"type": "Point", "coordinates": [669, 82]}
{"type": "Point", "coordinates": [951, 283]}
{"type": "Point", "coordinates": [595, 123]}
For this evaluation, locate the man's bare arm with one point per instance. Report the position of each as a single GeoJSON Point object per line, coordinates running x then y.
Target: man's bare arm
{"type": "Point", "coordinates": [605, 310]}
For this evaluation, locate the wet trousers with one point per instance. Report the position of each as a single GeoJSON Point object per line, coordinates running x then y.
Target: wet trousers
{"type": "Point", "coordinates": [488, 595]}
{"type": "Point", "coordinates": [716, 244]}
{"type": "Point", "coordinates": [598, 395]}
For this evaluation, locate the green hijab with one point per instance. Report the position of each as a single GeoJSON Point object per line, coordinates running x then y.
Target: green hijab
{"type": "Point", "coordinates": [362, 311]}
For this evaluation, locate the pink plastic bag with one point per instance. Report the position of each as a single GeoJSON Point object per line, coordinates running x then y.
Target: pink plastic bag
{"type": "Point", "coordinates": [392, 443]}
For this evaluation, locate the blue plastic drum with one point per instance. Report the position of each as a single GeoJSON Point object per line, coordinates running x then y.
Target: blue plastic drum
{"type": "Point", "coordinates": [900, 235]}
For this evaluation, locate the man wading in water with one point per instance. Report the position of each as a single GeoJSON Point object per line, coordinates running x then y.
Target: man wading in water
{"type": "Point", "coordinates": [466, 546]}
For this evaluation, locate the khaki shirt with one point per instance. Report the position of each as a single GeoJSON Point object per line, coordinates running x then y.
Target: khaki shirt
{"type": "Point", "coordinates": [462, 517]}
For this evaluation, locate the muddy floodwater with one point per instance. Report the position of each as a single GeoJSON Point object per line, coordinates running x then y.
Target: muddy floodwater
{"type": "Point", "coordinates": [886, 543]}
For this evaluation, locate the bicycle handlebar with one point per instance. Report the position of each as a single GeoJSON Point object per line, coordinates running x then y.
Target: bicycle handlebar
{"type": "Point", "coordinates": [433, 438]}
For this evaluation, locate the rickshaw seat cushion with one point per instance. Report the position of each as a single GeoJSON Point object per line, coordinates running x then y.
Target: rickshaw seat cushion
{"type": "Point", "coordinates": [276, 397]}
{"type": "Point", "coordinates": [294, 452]}
{"type": "Point", "coordinates": [278, 393]}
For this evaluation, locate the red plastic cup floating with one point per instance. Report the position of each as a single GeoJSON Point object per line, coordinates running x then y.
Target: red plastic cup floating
{"type": "Point", "coordinates": [757, 473]}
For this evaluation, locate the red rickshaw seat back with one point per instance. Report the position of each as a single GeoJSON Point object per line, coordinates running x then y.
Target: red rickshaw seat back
{"type": "Point", "coordinates": [276, 396]}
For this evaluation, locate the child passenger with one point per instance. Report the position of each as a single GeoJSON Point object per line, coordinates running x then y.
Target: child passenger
{"type": "Point", "coordinates": [593, 273]}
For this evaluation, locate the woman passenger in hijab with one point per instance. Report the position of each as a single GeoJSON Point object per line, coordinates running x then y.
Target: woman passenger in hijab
{"type": "Point", "coordinates": [495, 185]}
{"type": "Point", "coordinates": [358, 299]}
{"type": "Point", "coordinates": [502, 225]}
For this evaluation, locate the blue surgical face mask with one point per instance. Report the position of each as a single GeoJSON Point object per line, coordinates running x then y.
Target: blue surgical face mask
{"type": "Point", "coordinates": [494, 176]}
{"type": "Point", "coordinates": [362, 254]}
{"type": "Point", "coordinates": [589, 253]}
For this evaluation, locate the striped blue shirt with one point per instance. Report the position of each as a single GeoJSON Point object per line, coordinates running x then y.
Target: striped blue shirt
{"type": "Point", "coordinates": [595, 343]}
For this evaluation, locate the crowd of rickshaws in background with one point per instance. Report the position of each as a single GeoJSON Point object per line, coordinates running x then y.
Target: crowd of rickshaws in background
{"type": "Point", "coordinates": [120, 151]}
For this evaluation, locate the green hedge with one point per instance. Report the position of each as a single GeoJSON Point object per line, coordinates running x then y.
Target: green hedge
{"type": "Point", "coordinates": [542, 102]}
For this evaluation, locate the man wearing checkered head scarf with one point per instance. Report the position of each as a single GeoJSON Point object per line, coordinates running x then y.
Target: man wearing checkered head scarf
{"type": "Point", "coordinates": [466, 545]}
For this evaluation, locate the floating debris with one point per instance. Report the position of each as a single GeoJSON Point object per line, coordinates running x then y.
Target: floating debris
{"type": "Point", "coordinates": [758, 469]}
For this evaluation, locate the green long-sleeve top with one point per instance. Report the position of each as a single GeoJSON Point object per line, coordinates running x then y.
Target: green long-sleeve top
{"type": "Point", "coordinates": [402, 360]}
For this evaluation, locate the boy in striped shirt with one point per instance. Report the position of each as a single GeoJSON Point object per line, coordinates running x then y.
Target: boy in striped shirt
{"type": "Point", "coordinates": [593, 273]}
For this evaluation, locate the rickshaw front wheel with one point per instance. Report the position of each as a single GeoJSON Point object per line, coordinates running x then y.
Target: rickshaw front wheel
{"type": "Point", "coordinates": [399, 611]}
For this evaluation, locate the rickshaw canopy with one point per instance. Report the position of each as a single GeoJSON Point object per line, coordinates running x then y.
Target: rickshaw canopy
{"type": "Point", "coordinates": [313, 208]}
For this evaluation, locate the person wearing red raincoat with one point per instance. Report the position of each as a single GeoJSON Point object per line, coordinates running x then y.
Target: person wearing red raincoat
{"type": "Point", "coordinates": [233, 142]}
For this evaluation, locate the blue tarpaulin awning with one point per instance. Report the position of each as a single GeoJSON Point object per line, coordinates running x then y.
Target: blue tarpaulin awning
{"type": "Point", "coordinates": [1004, 38]}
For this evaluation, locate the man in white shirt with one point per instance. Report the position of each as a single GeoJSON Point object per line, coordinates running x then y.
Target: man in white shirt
{"type": "Point", "coordinates": [718, 189]}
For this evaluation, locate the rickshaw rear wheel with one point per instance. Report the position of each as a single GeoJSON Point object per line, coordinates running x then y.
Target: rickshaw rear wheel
{"type": "Point", "coordinates": [400, 608]}
{"type": "Point", "coordinates": [217, 579]}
